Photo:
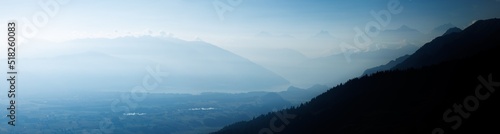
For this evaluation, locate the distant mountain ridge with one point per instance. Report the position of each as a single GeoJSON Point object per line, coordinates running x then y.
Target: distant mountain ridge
{"type": "Point", "coordinates": [387, 66]}
{"type": "Point", "coordinates": [192, 67]}
{"type": "Point", "coordinates": [440, 30]}
{"type": "Point", "coordinates": [323, 34]}
{"type": "Point", "coordinates": [297, 95]}
{"type": "Point", "coordinates": [452, 30]}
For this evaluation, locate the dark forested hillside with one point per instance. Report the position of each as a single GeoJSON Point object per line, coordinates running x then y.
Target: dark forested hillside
{"type": "Point", "coordinates": [454, 96]}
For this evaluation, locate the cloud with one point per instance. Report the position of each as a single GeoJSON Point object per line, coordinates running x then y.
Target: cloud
{"type": "Point", "coordinates": [134, 114]}
{"type": "Point", "coordinates": [201, 109]}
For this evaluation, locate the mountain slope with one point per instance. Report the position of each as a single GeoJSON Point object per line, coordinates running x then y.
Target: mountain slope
{"type": "Point", "coordinates": [401, 59]}
{"type": "Point", "coordinates": [402, 101]}
{"type": "Point", "coordinates": [482, 35]}
{"type": "Point", "coordinates": [411, 101]}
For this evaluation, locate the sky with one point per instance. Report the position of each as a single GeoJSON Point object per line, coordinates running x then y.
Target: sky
{"type": "Point", "coordinates": [295, 39]}
{"type": "Point", "coordinates": [233, 24]}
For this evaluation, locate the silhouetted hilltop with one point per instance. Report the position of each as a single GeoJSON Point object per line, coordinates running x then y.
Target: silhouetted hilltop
{"type": "Point", "coordinates": [452, 30]}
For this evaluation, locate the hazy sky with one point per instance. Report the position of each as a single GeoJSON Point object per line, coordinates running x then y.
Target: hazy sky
{"type": "Point", "coordinates": [276, 34]}
{"type": "Point", "coordinates": [240, 20]}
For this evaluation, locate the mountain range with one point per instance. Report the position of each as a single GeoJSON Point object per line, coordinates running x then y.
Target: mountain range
{"type": "Point", "coordinates": [120, 64]}
{"type": "Point", "coordinates": [457, 45]}
{"type": "Point", "coordinates": [401, 59]}
{"type": "Point", "coordinates": [331, 69]}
